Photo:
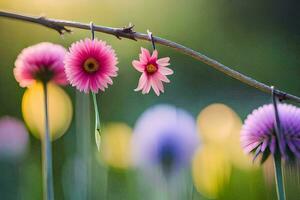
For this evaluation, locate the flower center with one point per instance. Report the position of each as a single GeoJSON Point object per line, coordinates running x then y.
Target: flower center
{"type": "Point", "coordinates": [44, 74]}
{"type": "Point", "coordinates": [150, 68]}
{"type": "Point", "coordinates": [91, 65]}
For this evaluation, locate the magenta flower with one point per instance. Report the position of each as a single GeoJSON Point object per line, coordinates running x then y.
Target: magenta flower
{"type": "Point", "coordinates": [14, 138]}
{"type": "Point", "coordinates": [90, 65]}
{"type": "Point", "coordinates": [154, 71]}
{"type": "Point", "coordinates": [258, 133]}
{"type": "Point", "coordinates": [42, 62]}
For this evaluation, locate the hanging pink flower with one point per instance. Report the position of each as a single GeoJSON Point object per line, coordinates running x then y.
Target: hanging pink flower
{"type": "Point", "coordinates": [90, 65]}
{"type": "Point", "coordinates": [154, 71]}
{"type": "Point", "coordinates": [43, 62]}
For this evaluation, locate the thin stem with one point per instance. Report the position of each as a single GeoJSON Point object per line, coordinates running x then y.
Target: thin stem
{"type": "Point", "coordinates": [279, 177]}
{"type": "Point", "coordinates": [82, 189]}
{"type": "Point", "coordinates": [192, 192]}
{"type": "Point", "coordinates": [47, 153]}
{"type": "Point", "coordinates": [127, 32]}
{"type": "Point", "coordinates": [97, 121]}
{"type": "Point", "coordinates": [97, 116]}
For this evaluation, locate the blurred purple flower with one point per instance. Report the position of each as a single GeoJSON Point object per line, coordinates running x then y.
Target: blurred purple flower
{"type": "Point", "coordinates": [14, 138]}
{"type": "Point", "coordinates": [258, 133]}
{"type": "Point", "coordinates": [164, 137]}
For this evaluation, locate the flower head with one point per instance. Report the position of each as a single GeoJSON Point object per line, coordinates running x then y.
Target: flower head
{"type": "Point", "coordinates": [164, 137]}
{"type": "Point", "coordinates": [90, 64]}
{"type": "Point", "coordinates": [43, 62]}
{"type": "Point", "coordinates": [259, 136]}
{"type": "Point", "coordinates": [14, 138]}
{"type": "Point", "coordinates": [154, 71]}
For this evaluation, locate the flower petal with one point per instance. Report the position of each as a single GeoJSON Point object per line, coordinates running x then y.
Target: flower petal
{"type": "Point", "coordinates": [163, 61]}
{"type": "Point", "coordinates": [154, 86]}
{"type": "Point", "coordinates": [145, 55]}
{"type": "Point", "coordinates": [142, 82]}
{"type": "Point", "coordinates": [138, 66]}
{"type": "Point", "coordinates": [154, 55]}
{"type": "Point", "coordinates": [159, 85]}
{"type": "Point", "coordinates": [165, 70]}
{"type": "Point", "coordinates": [147, 86]}
{"type": "Point", "coordinates": [162, 77]}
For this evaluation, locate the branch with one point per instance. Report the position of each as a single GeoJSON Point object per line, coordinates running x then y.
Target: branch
{"type": "Point", "coordinates": [127, 32]}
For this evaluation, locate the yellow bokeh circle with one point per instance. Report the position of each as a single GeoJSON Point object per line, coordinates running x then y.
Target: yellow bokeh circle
{"type": "Point", "coordinates": [216, 122]}
{"type": "Point", "coordinates": [220, 125]}
{"type": "Point", "coordinates": [211, 171]}
{"type": "Point", "coordinates": [115, 145]}
{"type": "Point", "coordinates": [59, 106]}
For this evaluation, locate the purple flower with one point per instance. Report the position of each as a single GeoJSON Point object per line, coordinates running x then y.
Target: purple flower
{"type": "Point", "coordinates": [14, 138]}
{"type": "Point", "coordinates": [259, 136]}
{"type": "Point", "coordinates": [164, 137]}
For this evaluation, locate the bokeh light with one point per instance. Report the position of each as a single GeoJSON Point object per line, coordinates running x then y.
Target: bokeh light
{"type": "Point", "coordinates": [14, 139]}
{"type": "Point", "coordinates": [218, 124]}
{"type": "Point", "coordinates": [211, 171]}
{"type": "Point", "coordinates": [116, 145]}
{"type": "Point", "coordinates": [60, 110]}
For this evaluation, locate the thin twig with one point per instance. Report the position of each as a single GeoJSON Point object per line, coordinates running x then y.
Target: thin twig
{"type": "Point", "coordinates": [127, 32]}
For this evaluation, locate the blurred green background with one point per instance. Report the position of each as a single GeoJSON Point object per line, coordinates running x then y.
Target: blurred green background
{"type": "Point", "coordinates": [258, 38]}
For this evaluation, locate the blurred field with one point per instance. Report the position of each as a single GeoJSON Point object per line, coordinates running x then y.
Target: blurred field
{"type": "Point", "coordinates": [258, 38]}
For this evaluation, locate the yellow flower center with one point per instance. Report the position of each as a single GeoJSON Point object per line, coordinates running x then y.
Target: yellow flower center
{"type": "Point", "coordinates": [91, 65]}
{"type": "Point", "coordinates": [151, 68]}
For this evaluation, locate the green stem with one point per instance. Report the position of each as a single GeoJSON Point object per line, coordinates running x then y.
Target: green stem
{"type": "Point", "coordinates": [82, 189]}
{"type": "Point", "coordinates": [192, 192]}
{"type": "Point", "coordinates": [47, 153]}
{"type": "Point", "coordinates": [279, 177]}
{"type": "Point", "coordinates": [97, 121]}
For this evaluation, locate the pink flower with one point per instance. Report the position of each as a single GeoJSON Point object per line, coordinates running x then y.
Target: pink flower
{"type": "Point", "coordinates": [154, 71]}
{"type": "Point", "coordinates": [42, 62]}
{"type": "Point", "coordinates": [90, 64]}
